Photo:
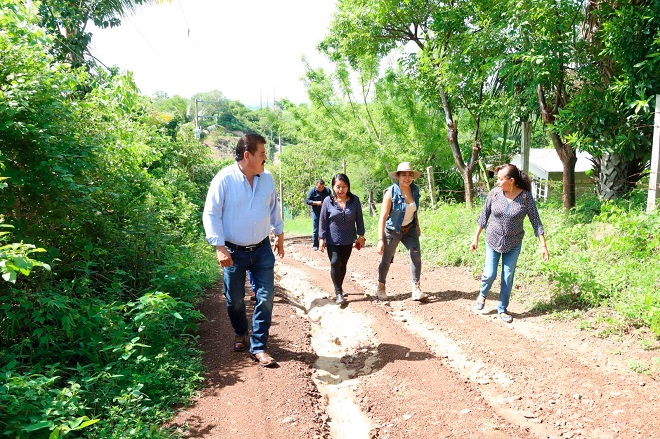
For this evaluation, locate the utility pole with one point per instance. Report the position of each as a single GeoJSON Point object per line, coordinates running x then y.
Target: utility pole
{"type": "Point", "coordinates": [197, 130]}
{"type": "Point", "coordinates": [196, 115]}
{"type": "Point", "coordinates": [429, 176]}
{"type": "Point", "coordinates": [655, 159]}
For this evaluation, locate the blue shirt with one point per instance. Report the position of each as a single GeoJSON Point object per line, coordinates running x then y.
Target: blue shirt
{"type": "Point", "coordinates": [398, 210]}
{"type": "Point", "coordinates": [238, 213]}
{"type": "Point", "coordinates": [315, 195]}
{"type": "Point", "coordinates": [338, 226]}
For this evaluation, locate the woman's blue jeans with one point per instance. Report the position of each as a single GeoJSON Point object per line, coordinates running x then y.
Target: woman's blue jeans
{"type": "Point", "coordinates": [509, 261]}
{"type": "Point", "coordinates": [261, 264]}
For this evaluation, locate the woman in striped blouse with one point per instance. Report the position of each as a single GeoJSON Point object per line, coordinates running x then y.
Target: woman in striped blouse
{"type": "Point", "coordinates": [504, 213]}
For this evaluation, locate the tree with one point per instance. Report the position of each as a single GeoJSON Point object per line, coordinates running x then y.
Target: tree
{"type": "Point", "coordinates": [543, 59]}
{"type": "Point", "coordinates": [454, 62]}
{"type": "Point", "coordinates": [353, 110]}
{"type": "Point", "coordinates": [611, 114]}
{"type": "Point", "coordinates": [172, 111]}
{"type": "Point", "coordinates": [593, 67]}
{"type": "Point", "coordinates": [67, 20]}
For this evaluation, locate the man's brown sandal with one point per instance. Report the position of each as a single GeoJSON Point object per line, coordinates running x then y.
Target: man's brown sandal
{"type": "Point", "coordinates": [264, 359]}
{"type": "Point", "coordinates": [240, 343]}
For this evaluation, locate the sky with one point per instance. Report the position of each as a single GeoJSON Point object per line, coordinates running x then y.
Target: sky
{"type": "Point", "coordinates": [250, 50]}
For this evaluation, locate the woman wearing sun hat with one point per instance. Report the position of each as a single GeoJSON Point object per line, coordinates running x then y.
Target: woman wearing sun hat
{"type": "Point", "coordinates": [398, 224]}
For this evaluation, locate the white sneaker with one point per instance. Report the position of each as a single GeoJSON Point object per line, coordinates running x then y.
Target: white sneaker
{"type": "Point", "coordinates": [381, 292]}
{"type": "Point", "coordinates": [418, 294]}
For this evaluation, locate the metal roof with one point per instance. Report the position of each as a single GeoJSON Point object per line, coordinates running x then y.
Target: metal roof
{"type": "Point", "coordinates": [546, 160]}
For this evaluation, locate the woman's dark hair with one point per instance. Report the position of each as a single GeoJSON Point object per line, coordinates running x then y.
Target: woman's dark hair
{"type": "Point", "coordinates": [344, 178]}
{"type": "Point", "coordinates": [522, 180]}
{"type": "Point", "coordinates": [250, 143]}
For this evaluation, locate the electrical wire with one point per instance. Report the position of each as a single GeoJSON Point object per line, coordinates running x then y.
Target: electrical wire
{"type": "Point", "coordinates": [170, 69]}
{"type": "Point", "coordinates": [185, 20]}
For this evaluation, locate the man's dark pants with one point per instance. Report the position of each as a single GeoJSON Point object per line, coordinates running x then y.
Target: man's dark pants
{"type": "Point", "coordinates": [315, 228]}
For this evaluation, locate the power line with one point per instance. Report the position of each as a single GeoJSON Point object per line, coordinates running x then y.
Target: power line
{"type": "Point", "coordinates": [183, 14]}
{"type": "Point", "coordinates": [170, 69]}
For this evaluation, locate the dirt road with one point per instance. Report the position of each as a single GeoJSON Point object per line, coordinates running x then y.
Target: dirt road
{"type": "Point", "coordinates": [401, 369]}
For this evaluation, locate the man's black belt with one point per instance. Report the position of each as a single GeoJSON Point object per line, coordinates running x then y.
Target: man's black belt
{"type": "Point", "coordinates": [245, 248]}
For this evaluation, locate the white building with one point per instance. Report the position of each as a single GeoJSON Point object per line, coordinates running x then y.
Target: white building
{"type": "Point", "coordinates": [546, 168]}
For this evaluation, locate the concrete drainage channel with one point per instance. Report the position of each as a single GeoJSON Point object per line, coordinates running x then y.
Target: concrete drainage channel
{"type": "Point", "coordinates": [336, 334]}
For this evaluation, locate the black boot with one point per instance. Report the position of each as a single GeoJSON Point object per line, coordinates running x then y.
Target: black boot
{"type": "Point", "coordinates": [340, 299]}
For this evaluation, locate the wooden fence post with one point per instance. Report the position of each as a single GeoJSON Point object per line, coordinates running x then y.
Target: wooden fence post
{"type": "Point", "coordinates": [429, 176]}
{"type": "Point", "coordinates": [371, 203]}
{"type": "Point", "coordinates": [279, 145]}
{"type": "Point", "coordinates": [655, 159]}
{"type": "Point", "coordinates": [525, 144]}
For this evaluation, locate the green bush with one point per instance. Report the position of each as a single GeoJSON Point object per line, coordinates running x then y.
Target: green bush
{"type": "Point", "coordinates": [90, 372]}
{"type": "Point", "coordinates": [102, 345]}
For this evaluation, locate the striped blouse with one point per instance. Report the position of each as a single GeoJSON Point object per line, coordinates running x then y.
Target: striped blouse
{"type": "Point", "coordinates": [503, 221]}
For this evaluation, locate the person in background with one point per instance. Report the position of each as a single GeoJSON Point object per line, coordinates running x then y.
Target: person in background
{"type": "Point", "coordinates": [253, 287]}
{"type": "Point", "coordinates": [341, 222]}
{"type": "Point", "coordinates": [502, 216]}
{"type": "Point", "coordinates": [398, 224]}
{"type": "Point", "coordinates": [315, 198]}
{"type": "Point", "coordinates": [241, 211]}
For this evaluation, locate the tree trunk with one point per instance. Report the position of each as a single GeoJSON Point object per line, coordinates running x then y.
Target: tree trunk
{"type": "Point", "coordinates": [468, 184]}
{"type": "Point", "coordinates": [372, 204]}
{"type": "Point", "coordinates": [568, 177]}
{"type": "Point", "coordinates": [387, 169]}
{"type": "Point", "coordinates": [565, 151]}
{"type": "Point", "coordinates": [452, 138]}
{"type": "Point", "coordinates": [613, 176]}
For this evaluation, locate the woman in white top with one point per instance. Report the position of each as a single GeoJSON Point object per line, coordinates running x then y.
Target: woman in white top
{"type": "Point", "coordinates": [398, 224]}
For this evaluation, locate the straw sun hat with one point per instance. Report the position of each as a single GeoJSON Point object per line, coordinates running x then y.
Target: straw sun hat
{"type": "Point", "coordinates": [405, 167]}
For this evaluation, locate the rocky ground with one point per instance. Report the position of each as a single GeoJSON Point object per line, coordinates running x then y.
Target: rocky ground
{"type": "Point", "coordinates": [403, 369]}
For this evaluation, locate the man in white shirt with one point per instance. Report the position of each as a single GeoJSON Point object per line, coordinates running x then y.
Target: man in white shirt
{"type": "Point", "coordinates": [240, 212]}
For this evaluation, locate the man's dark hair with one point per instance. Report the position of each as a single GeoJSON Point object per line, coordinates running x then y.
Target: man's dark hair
{"type": "Point", "coordinates": [249, 143]}
{"type": "Point", "coordinates": [320, 181]}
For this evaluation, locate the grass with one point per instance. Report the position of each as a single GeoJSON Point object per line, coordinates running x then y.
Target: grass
{"type": "Point", "coordinates": [300, 225]}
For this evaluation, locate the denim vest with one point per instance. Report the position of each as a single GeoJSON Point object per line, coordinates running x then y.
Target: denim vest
{"type": "Point", "coordinates": [398, 210]}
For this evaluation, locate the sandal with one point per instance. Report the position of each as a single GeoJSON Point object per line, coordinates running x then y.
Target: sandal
{"type": "Point", "coordinates": [240, 343]}
{"type": "Point", "coordinates": [264, 359]}
{"type": "Point", "coordinates": [506, 317]}
{"type": "Point", "coordinates": [479, 305]}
